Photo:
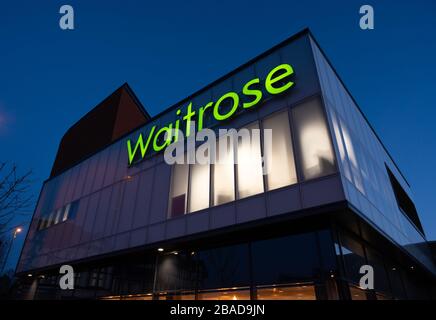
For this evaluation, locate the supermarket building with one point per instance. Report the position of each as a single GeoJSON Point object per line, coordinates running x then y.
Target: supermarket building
{"type": "Point", "coordinates": [134, 227]}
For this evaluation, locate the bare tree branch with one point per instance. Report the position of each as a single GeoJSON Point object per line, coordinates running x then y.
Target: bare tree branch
{"type": "Point", "coordinates": [15, 197]}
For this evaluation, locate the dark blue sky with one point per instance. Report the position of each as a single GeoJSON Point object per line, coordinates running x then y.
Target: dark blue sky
{"type": "Point", "coordinates": [165, 50]}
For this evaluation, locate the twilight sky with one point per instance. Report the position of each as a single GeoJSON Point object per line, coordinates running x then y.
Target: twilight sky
{"type": "Point", "coordinates": [166, 50]}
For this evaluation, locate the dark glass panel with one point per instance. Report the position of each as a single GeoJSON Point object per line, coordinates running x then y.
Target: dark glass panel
{"type": "Point", "coordinates": [176, 272]}
{"type": "Point", "coordinates": [354, 258]}
{"type": "Point", "coordinates": [178, 206]}
{"type": "Point", "coordinates": [223, 267]}
{"type": "Point", "coordinates": [381, 281]}
{"type": "Point", "coordinates": [287, 259]}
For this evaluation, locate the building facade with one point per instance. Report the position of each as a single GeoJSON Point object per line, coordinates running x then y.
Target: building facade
{"type": "Point", "coordinates": [134, 227]}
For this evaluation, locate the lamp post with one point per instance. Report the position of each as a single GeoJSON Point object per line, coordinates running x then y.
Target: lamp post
{"type": "Point", "coordinates": [16, 231]}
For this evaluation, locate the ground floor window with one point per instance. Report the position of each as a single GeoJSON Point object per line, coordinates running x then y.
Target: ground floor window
{"type": "Point", "coordinates": [225, 294]}
{"type": "Point", "coordinates": [272, 292]}
{"type": "Point", "coordinates": [298, 266]}
{"type": "Point", "coordinates": [287, 292]}
{"type": "Point", "coordinates": [176, 296]}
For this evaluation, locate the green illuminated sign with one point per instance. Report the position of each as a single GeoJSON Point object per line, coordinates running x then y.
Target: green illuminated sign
{"type": "Point", "coordinates": [275, 83]}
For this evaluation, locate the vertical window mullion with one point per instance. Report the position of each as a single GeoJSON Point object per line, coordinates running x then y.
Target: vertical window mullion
{"type": "Point", "coordinates": [188, 189]}
{"type": "Point", "coordinates": [262, 155]}
{"type": "Point", "coordinates": [298, 166]}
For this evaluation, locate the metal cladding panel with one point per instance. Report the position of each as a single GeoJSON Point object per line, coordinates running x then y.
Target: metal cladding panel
{"type": "Point", "coordinates": [362, 163]}
{"type": "Point", "coordinates": [143, 200]}
{"type": "Point", "coordinates": [101, 214]}
{"type": "Point", "coordinates": [121, 207]}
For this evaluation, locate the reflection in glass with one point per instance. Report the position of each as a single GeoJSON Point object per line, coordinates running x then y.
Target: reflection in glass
{"type": "Point", "coordinates": [341, 146]}
{"type": "Point", "coordinates": [250, 176]}
{"type": "Point", "coordinates": [316, 154]}
{"type": "Point", "coordinates": [279, 157]}
{"type": "Point", "coordinates": [353, 157]}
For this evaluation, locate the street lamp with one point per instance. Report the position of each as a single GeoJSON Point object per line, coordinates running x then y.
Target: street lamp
{"type": "Point", "coordinates": [16, 231]}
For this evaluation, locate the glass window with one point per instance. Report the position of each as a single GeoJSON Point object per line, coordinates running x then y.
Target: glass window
{"type": "Point", "coordinates": [315, 149]}
{"type": "Point", "coordinates": [147, 296]}
{"type": "Point", "coordinates": [73, 210]}
{"type": "Point", "coordinates": [40, 224]}
{"type": "Point", "coordinates": [381, 281]}
{"type": "Point", "coordinates": [278, 153]}
{"type": "Point", "coordinates": [404, 202]}
{"type": "Point", "coordinates": [50, 219]}
{"type": "Point", "coordinates": [199, 187]}
{"type": "Point", "coordinates": [66, 212]}
{"type": "Point", "coordinates": [224, 180]}
{"type": "Point", "coordinates": [286, 259]}
{"type": "Point", "coordinates": [178, 296]}
{"type": "Point", "coordinates": [58, 215]}
{"type": "Point", "coordinates": [179, 190]}
{"type": "Point", "coordinates": [349, 145]}
{"type": "Point", "coordinates": [381, 296]}
{"type": "Point", "coordinates": [225, 295]}
{"type": "Point", "coordinates": [357, 293]}
{"type": "Point", "coordinates": [224, 267]}
{"type": "Point", "coordinates": [304, 292]}
{"type": "Point", "coordinates": [353, 256]}
{"type": "Point", "coordinates": [395, 280]}
{"type": "Point", "coordinates": [250, 175]}
{"type": "Point", "coordinates": [43, 222]}
{"type": "Point", "coordinates": [176, 272]}
{"type": "Point", "coordinates": [341, 147]}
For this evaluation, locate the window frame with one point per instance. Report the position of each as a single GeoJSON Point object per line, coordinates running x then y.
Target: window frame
{"type": "Point", "coordinates": [295, 146]}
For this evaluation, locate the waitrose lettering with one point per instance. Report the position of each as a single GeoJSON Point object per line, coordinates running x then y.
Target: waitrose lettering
{"type": "Point", "coordinates": [276, 82]}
